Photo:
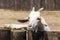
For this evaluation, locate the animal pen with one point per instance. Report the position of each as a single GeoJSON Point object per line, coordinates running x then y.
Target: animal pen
{"type": "Point", "coordinates": [26, 5]}
{"type": "Point", "coordinates": [21, 35]}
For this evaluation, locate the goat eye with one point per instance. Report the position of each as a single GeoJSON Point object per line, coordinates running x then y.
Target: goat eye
{"type": "Point", "coordinates": [38, 18]}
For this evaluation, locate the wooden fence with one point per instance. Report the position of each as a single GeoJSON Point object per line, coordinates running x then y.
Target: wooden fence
{"type": "Point", "coordinates": [5, 35]}
{"type": "Point", "coordinates": [21, 35]}
{"type": "Point", "coordinates": [28, 4]}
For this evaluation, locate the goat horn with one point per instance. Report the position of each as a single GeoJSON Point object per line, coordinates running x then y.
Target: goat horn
{"type": "Point", "coordinates": [40, 9]}
{"type": "Point", "coordinates": [33, 9]}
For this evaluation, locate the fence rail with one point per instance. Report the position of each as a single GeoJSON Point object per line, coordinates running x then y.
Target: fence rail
{"type": "Point", "coordinates": [19, 35]}
{"type": "Point", "coordinates": [28, 4]}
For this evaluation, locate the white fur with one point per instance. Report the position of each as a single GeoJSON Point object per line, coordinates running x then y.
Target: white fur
{"type": "Point", "coordinates": [33, 20]}
{"type": "Point", "coordinates": [33, 16]}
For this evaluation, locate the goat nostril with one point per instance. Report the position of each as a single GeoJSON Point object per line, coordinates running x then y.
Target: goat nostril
{"type": "Point", "coordinates": [38, 18]}
{"type": "Point", "coordinates": [29, 25]}
{"type": "Point", "coordinates": [45, 25]}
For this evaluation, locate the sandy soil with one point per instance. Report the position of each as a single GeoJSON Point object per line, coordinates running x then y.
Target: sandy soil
{"type": "Point", "coordinates": [11, 16]}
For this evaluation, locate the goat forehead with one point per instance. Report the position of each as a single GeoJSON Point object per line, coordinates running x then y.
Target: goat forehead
{"type": "Point", "coordinates": [33, 22]}
{"type": "Point", "coordinates": [34, 14]}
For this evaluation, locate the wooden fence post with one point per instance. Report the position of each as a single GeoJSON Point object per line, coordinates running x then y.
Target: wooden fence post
{"type": "Point", "coordinates": [18, 35]}
{"type": "Point", "coordinates": [5, 35]}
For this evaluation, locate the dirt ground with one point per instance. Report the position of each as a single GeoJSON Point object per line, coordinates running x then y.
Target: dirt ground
{"type": "Point", "coordinates": [11, 16]}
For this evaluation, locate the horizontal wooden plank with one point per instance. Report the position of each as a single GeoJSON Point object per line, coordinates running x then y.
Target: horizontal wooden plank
{"type": "Point", "coordinates": [12, 35]}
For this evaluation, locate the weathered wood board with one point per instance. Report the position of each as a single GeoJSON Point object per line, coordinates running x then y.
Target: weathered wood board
{"type": "Point", "coordinates": [5, 35]}
{"type": "Point", "coordinates": [21, 35]}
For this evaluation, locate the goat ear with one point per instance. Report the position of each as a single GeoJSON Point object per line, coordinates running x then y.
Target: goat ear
{"type": "Point", "coordinates": [40, 9]}
{"type": "Point", "coordinates": [33, 9]}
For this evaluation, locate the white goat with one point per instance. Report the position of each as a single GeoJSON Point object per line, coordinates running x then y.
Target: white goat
{"type": "Point", "coordinates": [36, 21]}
